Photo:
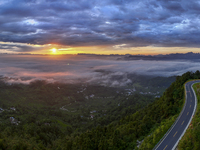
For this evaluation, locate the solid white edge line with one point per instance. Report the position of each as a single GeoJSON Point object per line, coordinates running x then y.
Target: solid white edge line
{"type": "Point", "coordinates": [176, 119]}
{"type": "Point", "coordinates": [190, 118]}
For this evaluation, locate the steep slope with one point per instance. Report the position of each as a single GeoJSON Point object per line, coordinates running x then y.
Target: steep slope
{"type": "Point", "coordinates": [158, 116]}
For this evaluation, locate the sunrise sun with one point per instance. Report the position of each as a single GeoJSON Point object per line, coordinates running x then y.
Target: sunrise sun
{"type": "Point", "coordinates": [54, 51]}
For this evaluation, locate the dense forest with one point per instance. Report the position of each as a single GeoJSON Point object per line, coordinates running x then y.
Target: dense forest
{"type": "Point", "coordinates": [41, 113]}
{"type": "Point", "coordinates": [125, 133]}
{"type": "Point", "coordinates": [86, 117]}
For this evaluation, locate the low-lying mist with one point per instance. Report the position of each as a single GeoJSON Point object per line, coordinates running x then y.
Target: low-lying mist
{"type": "Point", "coordinates": [88, 69]}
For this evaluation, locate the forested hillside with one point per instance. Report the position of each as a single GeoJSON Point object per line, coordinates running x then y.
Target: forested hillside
{"type": "Point", "coordinates": [125, 133]}
{"type": "Point", "coordinates": [41, 114]}
{"type": "Point", "coordinates": [53, 116]}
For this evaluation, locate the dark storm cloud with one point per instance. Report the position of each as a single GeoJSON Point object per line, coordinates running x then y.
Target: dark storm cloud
{"type": "Point", "coordinates": [19, 47]}
{"type": "Point", "coordinates": [107, 22]}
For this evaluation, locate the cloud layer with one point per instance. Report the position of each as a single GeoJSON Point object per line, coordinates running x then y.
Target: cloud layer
{"type": "Point", "coordinates": [73, 69]}
{"type": "Point", "coordinates": [173, 23]}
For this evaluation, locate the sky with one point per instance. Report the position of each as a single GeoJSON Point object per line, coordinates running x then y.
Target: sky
{"type": "Point", "coordinates": [99, 26]}
{"type": "Point", "coordinates": [106, 71]}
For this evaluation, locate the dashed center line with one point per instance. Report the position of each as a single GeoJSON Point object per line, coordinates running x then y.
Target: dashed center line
{"type": "Point", "coordinates": [190, 93]}
{"type": "Point", "coordinates": [165, 147]}
{"type": "Point", "coordinates": [190, 106]}
{"type": "Point", "coordinates": [175, 134]}
{"type": "Point", "coordinates": [187, 113]}
{"type": "Point", "coordinates": [182, 123]}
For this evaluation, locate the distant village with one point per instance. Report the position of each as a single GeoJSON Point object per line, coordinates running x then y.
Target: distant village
{"type": "Point", "coordinates": [128, 92]}
{"type": "Point", "coordinates": [12, 119]}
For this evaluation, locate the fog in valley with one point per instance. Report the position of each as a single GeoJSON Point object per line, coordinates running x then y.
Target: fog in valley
{"type": "Point", "coordinates": [104, 70]}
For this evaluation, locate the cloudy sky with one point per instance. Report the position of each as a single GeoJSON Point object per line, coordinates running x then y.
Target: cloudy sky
{"type": "Point", "coordinates": [99, 26]}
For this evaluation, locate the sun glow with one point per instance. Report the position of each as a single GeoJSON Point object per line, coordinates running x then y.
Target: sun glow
{"type": "Point", "coordinates": [53, 51]}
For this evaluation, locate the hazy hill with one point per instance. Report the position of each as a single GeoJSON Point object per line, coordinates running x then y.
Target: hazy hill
{"type": "Point", "coordinates": [177, 56]}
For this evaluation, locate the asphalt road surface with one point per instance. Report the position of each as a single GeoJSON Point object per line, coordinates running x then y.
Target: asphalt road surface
{"type": "Point", "coordinates": [177, 131]}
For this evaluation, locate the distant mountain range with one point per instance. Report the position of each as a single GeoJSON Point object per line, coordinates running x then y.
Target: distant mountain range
{"type": "Point", "coordinates": [177, 56]}
{"type": "Point", "coordinates": [174, 56]}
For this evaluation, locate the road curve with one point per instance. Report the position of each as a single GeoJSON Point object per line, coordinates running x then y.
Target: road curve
{"type": "Point", "coordinates": [170, 141]}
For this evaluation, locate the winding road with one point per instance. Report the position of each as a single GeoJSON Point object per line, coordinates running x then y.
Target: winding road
{"type": "Point", "coordinates": [171, 139]}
